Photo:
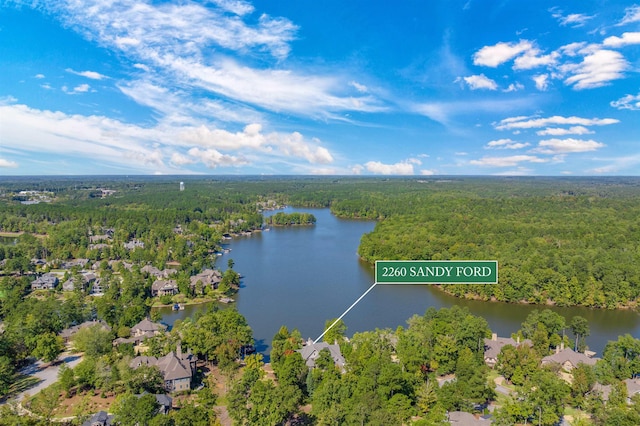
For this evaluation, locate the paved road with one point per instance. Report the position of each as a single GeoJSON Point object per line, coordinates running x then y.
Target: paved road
{"type": "Point", "coordinates": [48, 374]}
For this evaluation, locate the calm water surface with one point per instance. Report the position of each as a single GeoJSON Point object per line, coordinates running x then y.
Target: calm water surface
{"type": "Point", "coordinates": [302, 276]}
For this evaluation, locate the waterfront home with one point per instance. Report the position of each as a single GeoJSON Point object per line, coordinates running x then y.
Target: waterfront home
{"type": "Point", "coordinates": [146, 328]}
{"type": "Point", "coordinates": [493, 346]}
{"type": "Point", "coordinates": [568, 359]}
{"type": "Point", "coordinates": [208, 278]}
{"type": "Point", "coordinates": [164, 288]}
{"type": "Point", "coordinates": [311, 351]}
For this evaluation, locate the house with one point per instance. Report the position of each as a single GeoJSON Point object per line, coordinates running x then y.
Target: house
{"type": "Point", "coordinates": [146, 328]}
{"type": "Point", "coordinates": [311, 351]}
{"type": "Point", "coordinates": [633, 388]}
{"type": "Point", "coordinates": [101, 418]}
{"type": "Point", "coordinates": [74, 262]}
{"type": "Point", "coordinates": [86, 279]}
{"type": "Point", "coordinates": [97, 289]}
{"type": "Point", "coordinates": [461, 418]}
{"type": "Point", "coordinates": [604, 391]}
{"type": "Point", "coordinates": [177, 369]}
{"type": "Point", "coordinates": [68, 333]}
{"type": "Point", "coordinates": [208, 278]}
{"type": "Point", "coordinates": [133, 244]}
{"type": "Point", "coordinates": [493, 346]}
{"type": "Point", "coordinates": [568, 359]}
{"type": "Point", "coordinates": [165, 402]}
{"type": "Point", "coordinates": [98, 238]}
{"type": "Point", "coordinates": [46, 281]}
{"type": "Point", "coordinates": [151, 270]}
{"type": "Point", "coordinates": [164, 288]}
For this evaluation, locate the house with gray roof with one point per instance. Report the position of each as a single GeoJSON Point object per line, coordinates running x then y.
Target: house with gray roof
{"type": "Point", "coordinates": [101, 418]}
{"type": "Point", "coordinates": [311, 351]}
{"type": "Point", "coordinates": [208, 278]}
{"type": "Point", "coordinates": [147, 328]}
{"type": "Point", "coordinates": [46, 281]}
{"type": "Point", "coordinates": [164, 288]}
{"type": "Point", "coordinates": [177, 369]}
{"type": "Point", "coordinates": [568, 359]}
{"type": "Point", "coordinates": [493, 347]}
{"type": "Point", "coordinates": [461, 418]}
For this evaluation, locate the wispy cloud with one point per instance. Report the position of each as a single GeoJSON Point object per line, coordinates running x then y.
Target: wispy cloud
{"type": "Point", "coordinates": [506, 144]}
{"type": "Point", "coordinates": [631, 102]}
{"type": "Point", "coordinates": [574, 20]}
{"type": "Point", "coordinates": [522, 122]}
{"type": "Point", "coordinates": [509, 161]}
{"type": "Point", "coordinates": [631, 15]}
{"type": "Point", "coordinates": [93, 75]}
{"type": "Point", "coordinates": [541, 81]}
{"type": "Point", "coordinates": [558, 131]}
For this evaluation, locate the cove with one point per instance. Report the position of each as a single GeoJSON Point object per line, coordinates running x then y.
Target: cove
{"type": "Point", "coordinates": [303, 276]}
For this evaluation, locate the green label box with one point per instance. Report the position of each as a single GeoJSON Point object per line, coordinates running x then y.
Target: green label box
{"type": "Point", "coordinates": [436, 272]}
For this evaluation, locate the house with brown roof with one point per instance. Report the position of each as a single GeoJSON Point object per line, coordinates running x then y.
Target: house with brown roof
{"type": "Point", "coordinates": [68, 333]}
{"type": "Point", "coordinates": [164, 288]}
{"type": "Point", "coordinates": [568, 359]}
{"type": "Point", "coordinates": [177, 369]}
{"type": "Point", "coordinates": [493, 346]}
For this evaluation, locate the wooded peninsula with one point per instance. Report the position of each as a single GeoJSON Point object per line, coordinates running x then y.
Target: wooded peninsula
{"type": "Point", "coordinates": [84, 259]}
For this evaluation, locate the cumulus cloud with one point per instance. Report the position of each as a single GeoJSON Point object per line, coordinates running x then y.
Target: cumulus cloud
{"type": "Point", "coordinates": [81, 88]}
{"type": "Point", "coordinates": [533, 59]}
{"type": "Point", "coordinates": [506, 144]}
{"type": "Point", "coordinates": [558, 131]}
{"type": "Point", "coordinates": [625, 40]}
{"type": "Point", "coordinates": [400, 168]}
{"type": "Point", "coordinates": [213, 158]}
{"type": "Point", "coordinates": [93, 75]}
{"type": "Point", "coordinates": [493, 56]}
{"type": "Point", "coordinates": [481, 81]}
{"type": "Point", "coordinates": [523, 122]}
{"type": "Point", "coordinates": [113, 142]}
{"type": "Point", "coordinates": [565, 146]}
{"type": "Point", "coordinates": [509, 161]}
{"type": "Point", "coordinates": [4, 163]}
{"type": "Point", "coordinates": [631, 102]}
{"type": "Point", "coordinates": [596, 70]}
{"type": "Point", "coordinates": [39, 76]}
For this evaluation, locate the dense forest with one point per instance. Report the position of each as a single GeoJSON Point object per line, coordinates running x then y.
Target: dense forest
{"type": "Point", "coordinates": [564, 241]}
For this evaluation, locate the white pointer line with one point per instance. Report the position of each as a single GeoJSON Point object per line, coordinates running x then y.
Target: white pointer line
{"type": "Point", "coordinates": [345, 313]}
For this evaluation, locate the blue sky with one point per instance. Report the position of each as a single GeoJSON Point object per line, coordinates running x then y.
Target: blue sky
{"type": "Point", "coordinates": [320, 87]}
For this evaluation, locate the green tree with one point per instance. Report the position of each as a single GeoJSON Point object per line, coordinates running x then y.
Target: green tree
{"type": "Point", "coordinates": [580, 328]}
{"type": "Point", "coordinates": [48, 347]}
{"type": "Point", "coordinates": [94, 341]}
{"type": "Point", "coordinates": [335, 333]}
{"type": "Point", "coordinates": [134, 410]}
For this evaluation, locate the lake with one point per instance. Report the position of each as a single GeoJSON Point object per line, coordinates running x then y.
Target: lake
{"type": "Point", "coordinates": [303, 276]}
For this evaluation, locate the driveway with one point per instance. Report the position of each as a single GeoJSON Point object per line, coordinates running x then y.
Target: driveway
{"type": "Point", "coordinates": [47, 373]}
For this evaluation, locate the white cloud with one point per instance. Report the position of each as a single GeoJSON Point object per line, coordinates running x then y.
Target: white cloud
{"type": "Point", "coordinates": [425, 172]}
{"type": "Point", "coordinates": [573, 20]}
{"type": "Point", "coordinates": [514, 87]}
{"type": "Point", "coordinates": [81, 88]}
{"type": "Point", "coordinates": [213, 158]}
{"type": "Point", "coordinates": [4, 163]}
{"type": "Point", "coordinates": [631, 14]}
{"type": "Point", "coordinates": [113, 142]}
{"type": "Point", "coordinates": [532, 59]}
{"type": "Point", "coordinates": [564, 146]}
{"type": "Point", "coordinates": [506, 144]}
{"type": "Point", "coordinates": [510, 161]}
{"type": "Point", "coordinates": [39, 76]}
{"type": "Point", "coordinates": [238, 7]}
{"type": "Point", "coordinates": [359, 87]}
{"type": "Point", "coordinates": [481, 81]}
{"type": "Point", "coordinates": [625, 40]}
{"type": "Point", "coordinates": [93, 75]}
{"type": "Point", "coordinates": [595, 70]}
{"type": "Point", "coordinates": [522, 122]}
{"type": "Point", "coordinates": [542, 81]}
{"type": "Point", "coordinates": [492, 56]}
{"type": "Point", "coordinates": [557, 131]}
{"type": "Point", "coordinates": [631, 102]}
{"type": "Point", "coordinates": [401, 168]}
